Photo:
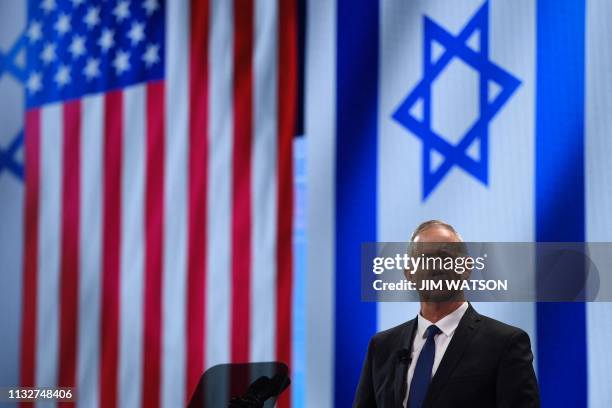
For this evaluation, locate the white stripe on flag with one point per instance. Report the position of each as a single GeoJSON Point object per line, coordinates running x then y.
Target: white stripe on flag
{"type": "Point", "coordinates": [132, 247]}
{"type": "Point", "coordinates": [51, 143]}
{"type": "Point", "coordinates": [218, 295]}
{"type": "Point", "coordinates": [321, 138]}
{"type": "Point", "coordinates": [512, 41]}
{"type": "Point", "coordinates": [598, 194]}
{"type": "Point", "coordinates": [598, 121]}
{"type": "Point", "coordinates": [175, 199]}
{"type": "Point", "coordinates": [264, 183]}
{"type": "Point", "coordinates": [90, 247]}
{"type": "Point", "coordinates": [455, 94]}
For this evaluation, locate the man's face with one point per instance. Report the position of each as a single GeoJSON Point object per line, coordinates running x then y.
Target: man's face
{"type": "Point", "coordinates": [430, 243]}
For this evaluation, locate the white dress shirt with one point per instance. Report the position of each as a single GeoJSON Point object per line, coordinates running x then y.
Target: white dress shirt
{"type": "Point", "coordinates": [448, 324]}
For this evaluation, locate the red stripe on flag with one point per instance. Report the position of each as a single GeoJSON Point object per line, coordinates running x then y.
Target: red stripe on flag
{"type": "Point", "coordinates": [111, 244]}
{"type": "Point", "coordinates": [154, 230]}
{"type": "Point", "coordinates": [241, 179]}
{"type": "Point", "coordinates": [198, 175]}
{"type": "Point", "coordinates": [287, 105]}
{"type": "Point", "coordinates": [30, 252]}
{"type": "Point", "coordinates": [69, 275]}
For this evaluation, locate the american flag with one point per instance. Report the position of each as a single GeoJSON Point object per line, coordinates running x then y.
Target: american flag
{"type": "Point", "coordinates": [158, 203]}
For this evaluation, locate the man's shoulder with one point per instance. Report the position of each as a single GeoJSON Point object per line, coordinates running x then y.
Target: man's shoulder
{"type": "Point", "coordinates": [494, 327]}
{"type": "Point", "coordinates": [394, 331]}
{"type": "Point", "coordinates": [392, 336]}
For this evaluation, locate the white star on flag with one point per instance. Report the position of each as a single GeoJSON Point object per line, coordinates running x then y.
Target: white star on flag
{"type": "Point", "coordinates": [121, 62]}
{"type": "Point", "coordinates": [92, 18]}
{"type": "Point", "coordinates": [62, 26]}
{"type": "Point", "coordinates": [34, 82]}
{"type": "Point", "coordinates": [151, 55]}
{"type": "Point", "coordinates": [48, 53]}
{"type": "Point", "coordinates": [122, 10]}
{"type": "Point", "coordinates": [77, 46]}
{"type": "Point", "coordinates": [106, 40]}
{"type": "Point", "coordinates": [34, 31]}
{"type": "Point", "coordinates": [136, 33]}
{"type": "Point", "coordinates": [92, 68]}
{"type": "Point", "coordinates": [48, 6]}
{"type": "Point", "coordinates": [63, 76]}
{"type": "Point", "coordinates": [150, 6]}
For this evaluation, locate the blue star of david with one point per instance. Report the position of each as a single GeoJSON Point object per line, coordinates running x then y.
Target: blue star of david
{"type": "Point", "coordinates": [456, 47]}
{"type": "Point", "coordinates": [8, 160]}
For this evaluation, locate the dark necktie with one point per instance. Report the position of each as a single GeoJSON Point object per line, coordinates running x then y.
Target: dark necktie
{"type": "Point", "coordinates": [422, 371]}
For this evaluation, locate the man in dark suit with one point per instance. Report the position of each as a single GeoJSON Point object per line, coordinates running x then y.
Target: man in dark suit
{"type": "Point", "coordinates": [448, 356]}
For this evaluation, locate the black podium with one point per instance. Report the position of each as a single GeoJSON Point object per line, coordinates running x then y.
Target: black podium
{"type": "Point", "coordinates": [247, 385]}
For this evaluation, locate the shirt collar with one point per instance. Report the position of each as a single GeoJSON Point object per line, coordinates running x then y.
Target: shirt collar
{"type": "Point", "coordinates": [448, 324]}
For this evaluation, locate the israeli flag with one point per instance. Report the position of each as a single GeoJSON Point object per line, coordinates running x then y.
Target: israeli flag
{"type": "Point", "coordinates": [493, 116]}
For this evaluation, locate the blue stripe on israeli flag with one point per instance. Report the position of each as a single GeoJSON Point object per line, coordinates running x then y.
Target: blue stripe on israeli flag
{"type": "Point", "coordinates": [560, 208]}
{"type": "Point", "coordinates": [356, 172]}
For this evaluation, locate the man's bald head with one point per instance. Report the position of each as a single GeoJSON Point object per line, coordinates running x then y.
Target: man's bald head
{"type": "Point", "coordinates": [435, 231]}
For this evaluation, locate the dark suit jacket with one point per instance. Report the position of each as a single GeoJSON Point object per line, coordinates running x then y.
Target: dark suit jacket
{"type": "Point", "coordinates": [487, 364]}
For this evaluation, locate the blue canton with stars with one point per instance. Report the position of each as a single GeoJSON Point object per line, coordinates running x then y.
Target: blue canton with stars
{"type": "Point", "coordinates": [80, 47]}
{"type": "Point", "coordinates": [456, 47]}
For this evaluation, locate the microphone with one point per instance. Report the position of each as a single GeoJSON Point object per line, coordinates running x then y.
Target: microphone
{"type": "Point", "coordinates": [404, 358]}
{"type": "Point", "coordinates": [260, 390]}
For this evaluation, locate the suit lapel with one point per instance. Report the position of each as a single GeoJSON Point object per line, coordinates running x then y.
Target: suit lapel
{"type": "Point", "coordinates": [401, 364]}
{"type": "Point", "coordinates": [461, 339]}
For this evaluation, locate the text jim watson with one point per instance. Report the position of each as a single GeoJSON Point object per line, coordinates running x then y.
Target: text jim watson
{"type": "Point", "coordinates": [443, 284]}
